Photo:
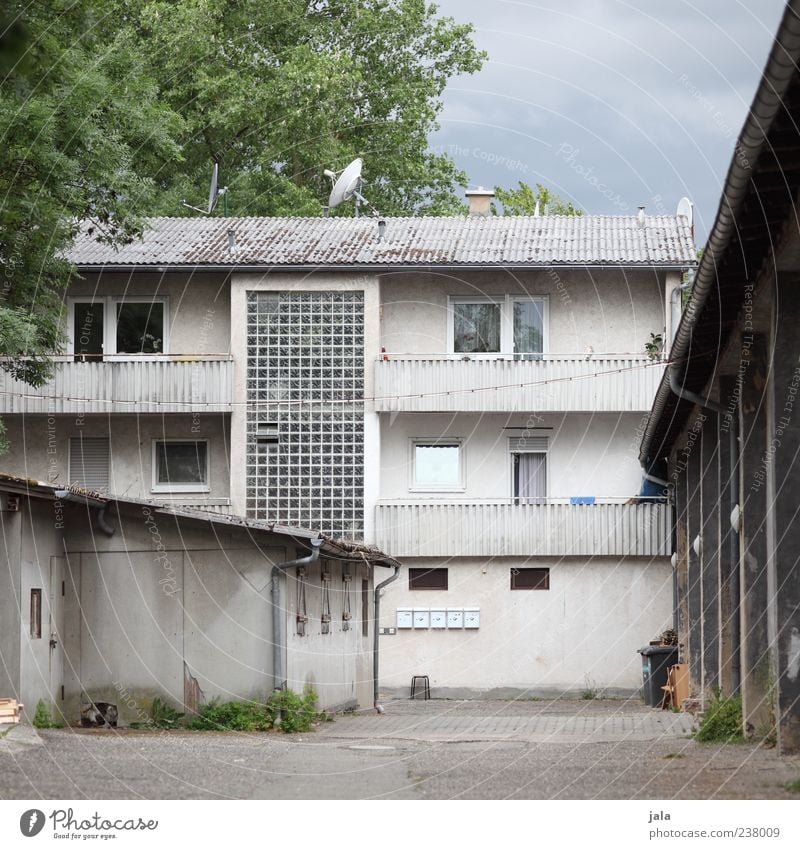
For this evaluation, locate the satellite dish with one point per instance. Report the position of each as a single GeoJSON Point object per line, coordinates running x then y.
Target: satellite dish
{"type": "Point", "coordinates": [686, 209]}
{"type": "Point", "coordinates": [213, 194]}
{"type": "Point", "coordinates": [347, 185]}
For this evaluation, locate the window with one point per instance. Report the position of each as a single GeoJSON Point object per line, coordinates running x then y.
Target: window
{"type": "Point", "coordinates": [427, 579]}
{"type": "Point", "coordinates": [107, 326]}
{"type": "Point", "coordinates": [89, 463]}
{"type": "Point", "coordinates": [529, 469]}
{"type": "Point", "coordinates": [36, 614]}
{"type": "Point", "coordinates": [530, 579]}
{"type": "Point", "coordinates": [437, 465]}
{"type": "Point", "coordinates": [503, 325]}
{"type": "Point", "coordinates": [180, 466]}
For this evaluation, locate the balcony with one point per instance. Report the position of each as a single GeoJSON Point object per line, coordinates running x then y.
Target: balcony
{"type": "Point", "coordinates": [494, 528]}
{"type": "Point", "coordinates": [448, 384]}
{"type": "Point", "coordinates": [158, 384]}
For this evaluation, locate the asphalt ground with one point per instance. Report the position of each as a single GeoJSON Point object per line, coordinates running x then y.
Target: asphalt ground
{"type": "Point", "coordinates": [594, 749]}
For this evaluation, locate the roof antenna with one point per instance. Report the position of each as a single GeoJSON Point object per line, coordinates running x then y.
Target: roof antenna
{"type": "Point", "coordinates": [214, 194]}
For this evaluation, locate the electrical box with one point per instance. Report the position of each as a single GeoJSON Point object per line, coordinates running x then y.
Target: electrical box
{"type": "Point", "coordinates": [472, 617]}
{"type": "Point", "coordinates": [422, 617]}
{"type": "Point", "coordinates": [405, 617]}
{"type": "Point", "coordinates": [438, 618]}
{"type": "Point", "coordinates": [455, 618]}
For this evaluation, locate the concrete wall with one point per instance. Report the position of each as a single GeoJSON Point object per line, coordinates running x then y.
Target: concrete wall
{"type": "Point", "coordinates": [611, 310]}
{"type": "Point", "coordinates": [199, 304]}
{"type": "Point", "coordinates": [39, 449]}
{"type": "Point", "coordinates": [582, 633]}
{"type": "Point", "coordinates": [588, 455]}
{"type": "Point", "coordinates": [161, 603]}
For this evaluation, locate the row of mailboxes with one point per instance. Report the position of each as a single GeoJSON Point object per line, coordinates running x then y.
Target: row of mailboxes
{"type": "Point", "coordinates": [432, 617]}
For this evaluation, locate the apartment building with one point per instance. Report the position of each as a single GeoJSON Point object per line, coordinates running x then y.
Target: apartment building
{"type": "Point", "coordinates": [466, 393]}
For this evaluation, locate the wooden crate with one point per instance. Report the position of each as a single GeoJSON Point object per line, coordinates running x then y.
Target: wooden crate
{"type": "Point", "coordinates": [10, 710]}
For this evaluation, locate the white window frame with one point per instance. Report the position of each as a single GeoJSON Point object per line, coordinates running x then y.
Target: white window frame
{"type": "Point", "coordinates": [414, 486]}
{"type": "Point", "coordinates": [179, 487]}
{"type": "Point", "coordinates": [538, 450]}
{"type": "Point", "coordinates": [109, 304]}
{"type": "Point", "coordinates": [506, 303]}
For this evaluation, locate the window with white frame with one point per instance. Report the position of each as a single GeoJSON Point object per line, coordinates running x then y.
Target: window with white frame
{"type": "Point", "coordinates": [437, 465]}
{"type": "Point", "coordinates": [529, 469]}
{"type": "Point", "coordinates": [105, 326]}
{"type": "Point", "coordinates": [497, 325]}
{"type": "Point", "coordinates": [180, 466]}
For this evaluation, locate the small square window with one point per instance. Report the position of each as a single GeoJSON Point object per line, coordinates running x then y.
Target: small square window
{"type": "Point", "coordinates": [427, 579]}
{"type": "Point", "coordinates": [437, 465]}
{"type": "Point", "coordinates": [181, 466]}
{"type": "Point", "coordinates": [140, 328]}
{"type": "Point", "coordinates": [530, 579]}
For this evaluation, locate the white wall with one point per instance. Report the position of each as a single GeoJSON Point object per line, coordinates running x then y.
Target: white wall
{"type": "Point", "coordinates": [39, 449]}
{"type": "Point", "coordinates": [612, 310]}
{"type": "Point", "coordinates": [589, 454]}
{"type": "Point", "coordinates": [585, 630]}
{"type": "Point", "coordinates": [199, 304]}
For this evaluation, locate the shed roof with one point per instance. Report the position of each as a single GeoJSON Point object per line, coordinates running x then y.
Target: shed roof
{"type": "Point", "coordinates": [467, 241]}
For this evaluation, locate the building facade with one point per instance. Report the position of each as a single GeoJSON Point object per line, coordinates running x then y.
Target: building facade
{"type": "Point", "coordinates": [466, 393]}
{"type": "Point", "coordinates": [725, 420]}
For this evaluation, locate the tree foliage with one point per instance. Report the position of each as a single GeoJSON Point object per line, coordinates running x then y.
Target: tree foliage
{"type": "Point", "coordinates": [523, 201]}
{"type": "Point", "coordinates": [278, 90]}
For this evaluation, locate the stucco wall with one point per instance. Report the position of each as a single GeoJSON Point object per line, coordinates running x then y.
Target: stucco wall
{"type": "Point", "coordinates": [582, 633]}
{"type": "Point", "coordinates": [199, 305]}
{"type": "Point", "coordinates": [39, 449]}
{"type": "Point", "coordinates": [588, 454]}
{"type": "Point", "coordinates": [611, 310]}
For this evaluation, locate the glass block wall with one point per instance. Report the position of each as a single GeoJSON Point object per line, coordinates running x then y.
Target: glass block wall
{"type": "Point", "coordinates": [305, 410]}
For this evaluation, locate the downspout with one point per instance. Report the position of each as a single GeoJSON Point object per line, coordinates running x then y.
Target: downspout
{"type": "Point", "coordinates": [375, 663]}
{"type": "Point", "coordinates": [686, 394]}
{"type": "Point", "coordinates": [88, 501]}
{"type": "Point", "coordinates": [278, 617]}
{"type": "Point", "coordinates": [674, 309]}
{"type": "Point", "coordinates": [734, 554]}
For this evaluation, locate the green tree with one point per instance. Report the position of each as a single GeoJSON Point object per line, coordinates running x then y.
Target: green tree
{"type": "Point", "coordinates": [81, 131]}
{"type": "Point", "coordinates": [523, 200]}
{"type": "Point", "coordinates": [278, 90]}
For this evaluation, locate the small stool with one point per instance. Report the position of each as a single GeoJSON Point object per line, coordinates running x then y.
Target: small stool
{"type": "Point", "coordinates": [424, 683]}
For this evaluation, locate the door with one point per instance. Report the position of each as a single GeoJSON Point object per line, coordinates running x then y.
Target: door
{"type": "Point", "coordinates": [56, 631]}
{"type": "Point", "coordinates": [530, 478]}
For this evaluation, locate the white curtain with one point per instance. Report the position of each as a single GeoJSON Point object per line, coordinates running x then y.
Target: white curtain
{"type": "Point", "coordinates": [530, 477]}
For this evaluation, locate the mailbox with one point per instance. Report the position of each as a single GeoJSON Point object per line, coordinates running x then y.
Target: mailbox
{"type": "Point", "coordinates": [472, 617]}
{"type": "Point", "coordinates": [422, 617]}
{"type": "Point", "coordinates": [438, 618]}
{"type": "Point", "coordinates": [405, 618]}
{"type": "Point", "coordinates": [455, 618]}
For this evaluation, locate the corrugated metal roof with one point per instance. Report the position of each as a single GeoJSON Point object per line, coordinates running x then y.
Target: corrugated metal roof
{"type": "Point", "coordinates": [455, 241]}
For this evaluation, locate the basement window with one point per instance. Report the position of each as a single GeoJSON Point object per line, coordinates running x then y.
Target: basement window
{"type": "Point", "coordinates": [530, 579]}
{"type": "Point", "coordinates": [427, 579]}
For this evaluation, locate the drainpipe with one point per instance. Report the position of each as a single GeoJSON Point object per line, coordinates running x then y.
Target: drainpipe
{"type": "Point", "coordinates": [375, 665]}
{"type": "Point", "coordinates": [88, 501]}
{"type": "Point", "coordinates": [674, 308]}
{"type": "Point", "coordinates": [686, 395]}
{"type": "Point", "coordinates": [278, 615]}
{"type": "Point", "coordinates": [734, 554]}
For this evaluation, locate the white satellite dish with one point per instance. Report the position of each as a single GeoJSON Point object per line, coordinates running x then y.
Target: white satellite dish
{"type": "Point", "coordinates": [213, 194]}
{"type": "Point", "coordinates": [686, 209]}
{"type": "Point", "coordinates": [347, 184]}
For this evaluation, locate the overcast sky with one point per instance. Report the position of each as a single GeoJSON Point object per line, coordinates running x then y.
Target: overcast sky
{"type": "Point", "coordinates": [613, 104]}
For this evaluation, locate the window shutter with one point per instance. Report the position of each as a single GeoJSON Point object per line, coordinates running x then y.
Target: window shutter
{"type": "Point", "coordinates": [88, 463]}
{"type": "Point", "coordinates": [527, 444]}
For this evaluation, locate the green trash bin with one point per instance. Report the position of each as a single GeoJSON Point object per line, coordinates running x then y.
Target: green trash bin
{"type": "Point", "coordinates": [656, 661]}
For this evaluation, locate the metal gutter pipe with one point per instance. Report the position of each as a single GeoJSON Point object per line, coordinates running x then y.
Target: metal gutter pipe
{"type": "Point", "coordinates": [375, 657]}
{"type": "Point", "coordinates": [278, 617]}
{"type": "Point", "coordinates": [687, 395]}
{"type": "Point", "coordinates": [88, 501]}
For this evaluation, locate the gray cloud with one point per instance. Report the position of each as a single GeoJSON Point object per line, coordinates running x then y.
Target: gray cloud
{"type": "Point", "coordinates": [613, 104]}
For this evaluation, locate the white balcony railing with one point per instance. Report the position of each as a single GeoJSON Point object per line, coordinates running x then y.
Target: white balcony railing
{"type": "Point", "coordinates": [488, 529]}
{"type": "Point", "coordinates": [599, 383]}
{"type": "Point", "coordinates": [142, 385]}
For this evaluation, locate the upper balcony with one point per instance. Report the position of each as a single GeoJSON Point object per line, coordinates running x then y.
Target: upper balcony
{"type": "Point", "coordinates": [497, 383]}
{"type": "Point", "coordinates": [126, 384]}
{"type": "Point", "coordinates": [508, 527]}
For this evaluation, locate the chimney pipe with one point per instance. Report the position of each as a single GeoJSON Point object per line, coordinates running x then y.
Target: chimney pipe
{"type": "Point", "coordinates": [231, 241]}
{"type": "Point", "coordinates": [480, 201]}
{"type": "Point", "coordinates": [381, 229]}
{"type": "Point", "coordinates": [640, 216]}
